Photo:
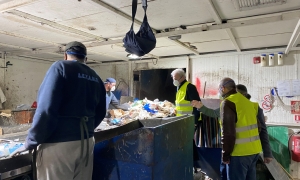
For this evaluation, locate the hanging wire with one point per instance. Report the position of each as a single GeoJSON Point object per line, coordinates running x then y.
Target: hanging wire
{"type": "Point", "coordinates": [155, 61]}
{"type": "Point", "coordinates": [281, 103]}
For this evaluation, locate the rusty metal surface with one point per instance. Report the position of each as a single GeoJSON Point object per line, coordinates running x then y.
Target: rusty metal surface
{"type": "Point", "coordinates": [160, 149]}
{"type": "Point", "coordinates": [22, 116]}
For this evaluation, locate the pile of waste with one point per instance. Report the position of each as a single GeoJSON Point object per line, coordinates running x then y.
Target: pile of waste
{"type": "Point", "coordinates": [8, 147]}
{"type": "Point", "coordinates": [139, 110]}
{"type": "Point", "coordinates": [3, 114]}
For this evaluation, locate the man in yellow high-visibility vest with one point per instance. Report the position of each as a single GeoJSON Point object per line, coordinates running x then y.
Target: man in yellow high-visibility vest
{"type": "Point", "coordinates": [263, 134]}
{"type": "Point", "coordinates": [240, 135]}
{"type": "Point", "coordinates": [186, 92]}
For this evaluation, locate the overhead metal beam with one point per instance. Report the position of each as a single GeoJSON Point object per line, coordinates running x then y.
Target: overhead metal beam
{"type": "Point", "coordinates": [52, 24]}
{"type": "Point", "coordinates": [232, 38]}
{"type": "Point", "coordinates": [294, 38]}
{"type": "Point", "coordinates": [55, 25]}
{"type": "Point", "coordinates": [116, 11]}
{"type": "Point", "coordinates": [36, 58]}
{"type": "Point", "coordinates": [10, 5]}
{"type": "Point", "coordinates": [128, 17]}
{"type": "Point", "coordinates": [242, 22]}
{"type": "Point", "coordinates": [59, 50]}
{"type": "Point", "coordinates": [15, 47]}
{"type": "Point", "coordinates": [58, 47]}
{"type": "Point", "coordinates": [186, 47]}
{"type": "Point", "coordinates": [213, 11]}
{"type": "Point", "coordinates": [13, 34]}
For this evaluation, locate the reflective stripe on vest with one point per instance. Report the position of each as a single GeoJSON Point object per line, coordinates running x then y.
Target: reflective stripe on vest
{"type": "Point", "coordinates": [182, 106]}
{"type": "Point", "coordinates": [246, 140]}
{"type": "Point", "coordinates": [247, 136]}
{"type": "Point", "coordinates": [246, 128]}
{"type": "Point", "coordinates": [185, 112]}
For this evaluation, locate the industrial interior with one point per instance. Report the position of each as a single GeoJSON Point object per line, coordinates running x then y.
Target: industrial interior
{"type": "Point", "coordinates": [254, 42]}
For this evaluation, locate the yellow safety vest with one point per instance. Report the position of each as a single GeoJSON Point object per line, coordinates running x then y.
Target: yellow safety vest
{"type": "Point", "coordinates": [183, 106]}
{"type": "Point", "coordinates": [247, 136]}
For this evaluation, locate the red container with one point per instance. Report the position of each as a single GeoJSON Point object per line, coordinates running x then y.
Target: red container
{"type": "Point", "coordinates": [34, 105]}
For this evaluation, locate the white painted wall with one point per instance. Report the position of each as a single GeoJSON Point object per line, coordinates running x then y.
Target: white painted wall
{"type": "Point", "coordinates": [2, 70]}
{"type": "Point", "coordinates": [120, 72]}
{"type": "Point", "coordinates": [259, 80]}
{"type": "Point", "coordinates": [2, 86]}
{"type": "Point", "coordinates": [24, 77]}
{"type": "Point", "coordinates": [22, 81]}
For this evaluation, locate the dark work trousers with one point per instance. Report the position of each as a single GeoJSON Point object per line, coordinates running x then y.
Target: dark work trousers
{"type": "Point", "coordinates": [195, 151]}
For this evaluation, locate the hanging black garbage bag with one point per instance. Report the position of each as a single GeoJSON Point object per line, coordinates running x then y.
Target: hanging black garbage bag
{"type": "Point", "coordinates": [144, 40]}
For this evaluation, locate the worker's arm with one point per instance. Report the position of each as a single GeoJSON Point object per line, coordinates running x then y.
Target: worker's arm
{"type": "Point", "coordinates": [229, 118]}
{"type": "Point", "coordinates": [215, 113]}
{"type": "Point", "coordinates": [192, 93]}
{"type": "Point", "coordinates": [264, 137]}
{"type": "Point", "coordinates": [49, 100]}
{"type": "Point", "coordinates": [115, 103]}
{"type": "Point", "coordinates": [101, 107]}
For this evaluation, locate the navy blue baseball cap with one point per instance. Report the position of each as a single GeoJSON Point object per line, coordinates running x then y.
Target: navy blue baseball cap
{"type": "Point", "coordinates": [110, 80]}
{"type": "Point", "coordinates": [76, 48]}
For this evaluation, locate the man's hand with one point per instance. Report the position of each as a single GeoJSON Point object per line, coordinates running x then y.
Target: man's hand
{"type": "Point", "coordinates": [196, 104]}
{"type": "Point", "coordinates": [18, 151]}
{"type": "Point", "coordinates": [267, 160]}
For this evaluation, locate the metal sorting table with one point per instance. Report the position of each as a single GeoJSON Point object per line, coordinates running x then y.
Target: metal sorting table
{"type": "Point", "coordinates": [146, 149]}
{"type": "Point", "coordinates": [19, 166]}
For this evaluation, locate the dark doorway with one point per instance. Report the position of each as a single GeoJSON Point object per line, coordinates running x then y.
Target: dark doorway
{"type": "Point", "coordinates": [154, 84]}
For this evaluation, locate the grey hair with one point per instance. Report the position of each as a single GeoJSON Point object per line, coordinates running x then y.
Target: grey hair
{"type": "Point", "coordinates": [179, 72]}
{"type": "Point", "coordinates": [228, 83]}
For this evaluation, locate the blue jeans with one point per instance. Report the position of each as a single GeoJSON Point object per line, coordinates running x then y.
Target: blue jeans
{"type": "Point", "coordinates": [242, 167]}
{"type": "Point", "coordinates": [223, 171]}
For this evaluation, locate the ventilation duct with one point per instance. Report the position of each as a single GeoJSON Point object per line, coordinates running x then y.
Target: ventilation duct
{"type": "Point", "coordinates": [252, 4]}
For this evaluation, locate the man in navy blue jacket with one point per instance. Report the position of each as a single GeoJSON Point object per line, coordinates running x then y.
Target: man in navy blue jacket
{"type": "Point", "coordinates": [71, 104]}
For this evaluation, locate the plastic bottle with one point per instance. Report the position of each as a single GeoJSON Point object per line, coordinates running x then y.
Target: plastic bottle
{"type": "Point", "coordinates": [280, 58]}
{"type": "Point", "coordinates": [271, 60]}
{"type": "Point", "coordinates": [263, 60]}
